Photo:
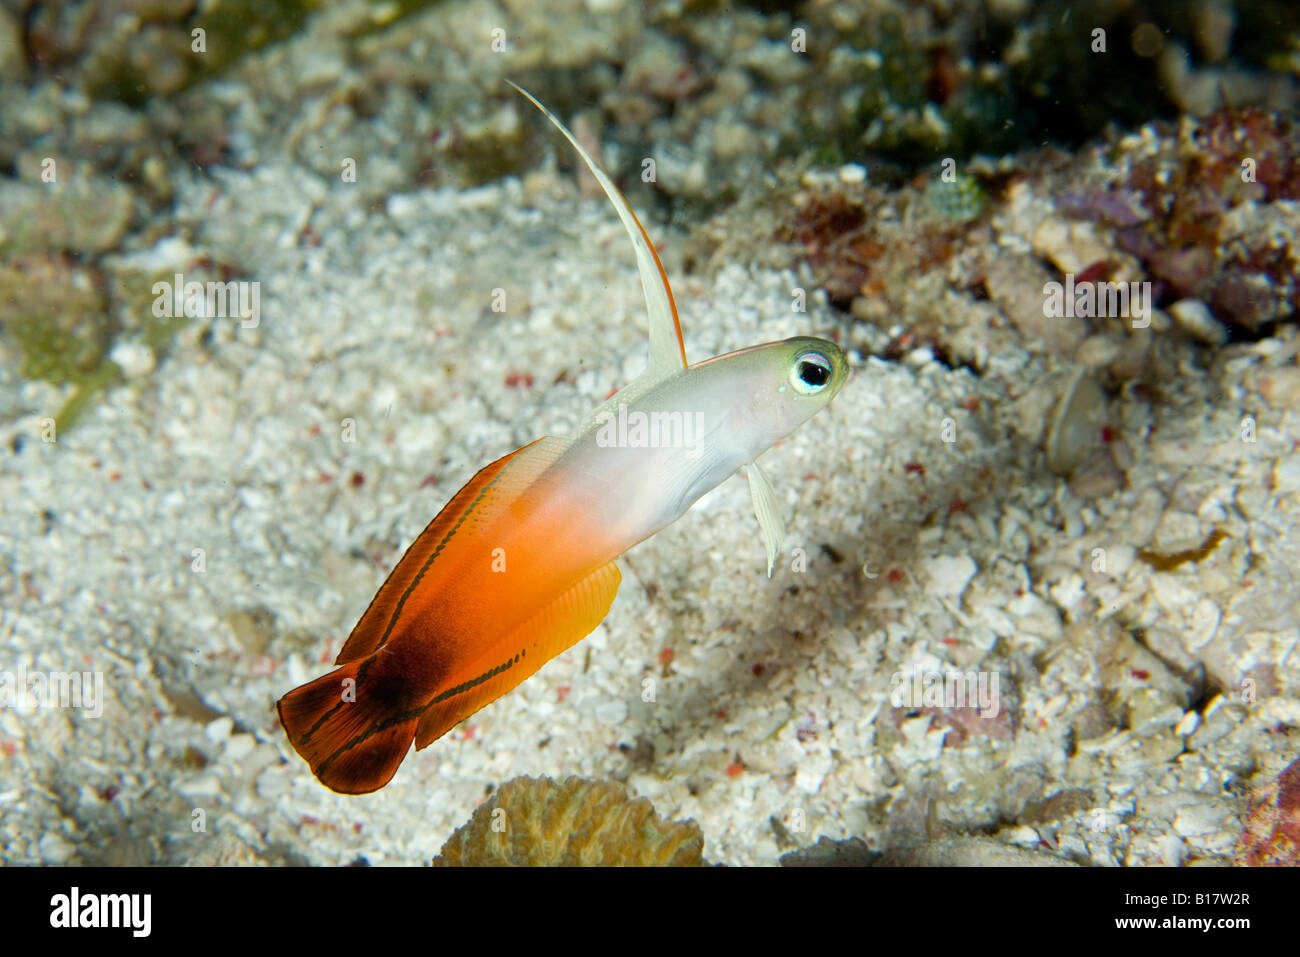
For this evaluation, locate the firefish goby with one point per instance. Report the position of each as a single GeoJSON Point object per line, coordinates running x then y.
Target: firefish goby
{"type": "Point", "coordinates": [520, 564]}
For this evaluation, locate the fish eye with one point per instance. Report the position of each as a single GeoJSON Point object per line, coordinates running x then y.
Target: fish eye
{"type": "Point", "coordinates": [810, 373]}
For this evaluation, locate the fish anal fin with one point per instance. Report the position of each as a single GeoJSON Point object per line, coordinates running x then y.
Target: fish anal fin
{"type": "Point", "coordinates": [561, 624]}
{"type": "Point", "coordinates": [484, 497]}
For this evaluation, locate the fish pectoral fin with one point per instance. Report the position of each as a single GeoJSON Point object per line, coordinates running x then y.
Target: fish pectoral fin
{"type": "Point", "coordinates": [570, 617]}
{"type": "Point", "coordinates": [667, 351]}
{"type": "Point", "coordinates": [771, 523]}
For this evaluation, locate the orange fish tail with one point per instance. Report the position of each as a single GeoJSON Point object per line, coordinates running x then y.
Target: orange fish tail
{"type": "Point", "coordinates": [352, 726]}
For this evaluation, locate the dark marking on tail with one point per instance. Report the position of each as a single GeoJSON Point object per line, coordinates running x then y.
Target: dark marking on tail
{"type": "Point", "coordinates": [353, 736]}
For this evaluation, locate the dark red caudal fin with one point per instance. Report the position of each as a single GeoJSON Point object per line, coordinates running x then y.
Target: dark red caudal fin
{"type": "Point", "coordinates": [352, 739]}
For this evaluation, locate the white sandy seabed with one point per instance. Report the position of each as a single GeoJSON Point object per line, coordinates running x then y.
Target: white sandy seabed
{"type": "Point", "coordinates": [775, 703]}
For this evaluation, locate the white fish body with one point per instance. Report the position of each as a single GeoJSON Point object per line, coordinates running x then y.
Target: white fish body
{"type": "Point", "coordinates": [721, 414]}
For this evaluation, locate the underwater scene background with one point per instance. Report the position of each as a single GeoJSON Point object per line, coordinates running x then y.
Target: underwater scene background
{"type": "Point", "coordinates": [277, 278]}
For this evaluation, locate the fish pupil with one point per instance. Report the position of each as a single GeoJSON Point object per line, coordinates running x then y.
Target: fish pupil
{"type": "Point", "coordinates": [813, 374]}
